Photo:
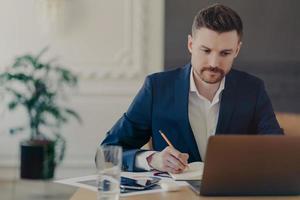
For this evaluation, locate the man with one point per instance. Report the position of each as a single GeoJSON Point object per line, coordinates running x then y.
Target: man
{"type": "Point", "coordinates": [189, 104]}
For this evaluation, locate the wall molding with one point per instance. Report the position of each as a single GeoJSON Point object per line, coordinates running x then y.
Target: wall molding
{"type": "Point", "coordinates": [129, 60]}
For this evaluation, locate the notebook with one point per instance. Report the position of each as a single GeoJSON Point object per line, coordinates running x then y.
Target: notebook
{"type": "Point", "coordinates": [193, 172]}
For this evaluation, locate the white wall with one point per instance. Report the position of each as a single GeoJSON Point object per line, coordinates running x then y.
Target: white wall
{"type": "Point", "coordinates": [111, 44]}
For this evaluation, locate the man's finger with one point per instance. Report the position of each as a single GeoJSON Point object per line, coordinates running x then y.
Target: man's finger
{"type": "Point", "coordinates": [175, 162]}
{"type": "Point", "coordinates": [182, 157]}
{"type": "Point", "coordinates": [170, 168]}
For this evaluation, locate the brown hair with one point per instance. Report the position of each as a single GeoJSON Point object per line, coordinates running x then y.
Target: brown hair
{"type": "Point", "coordinates": [219, 18]}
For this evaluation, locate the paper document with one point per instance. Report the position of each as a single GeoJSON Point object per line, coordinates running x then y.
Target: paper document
{"type": "Point", "coordinates": [193, 172]}
{"type": "Point", "coordinates": [89, 182]}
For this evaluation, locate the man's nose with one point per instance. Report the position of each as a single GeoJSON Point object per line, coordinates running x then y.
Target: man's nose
{"type": "Point", "coordinates": [214, 61]}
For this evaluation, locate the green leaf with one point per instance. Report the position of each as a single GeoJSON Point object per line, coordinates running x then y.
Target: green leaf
{"type": "Point", "coordinates": [44, 50]}
{"type": "Point", "coordinates": [74, 114]}
{"type": "Point", "coordinates": [23, 78]}
{"type": "Point", "coordinates": [56, 112]}
{"type": "Point", "coordinates": [16, 130]}
{"type": "Point", "coordinates": [19, 97]}
{"type": "Point", "coordinates": [67, 76]}
{"type": "Point", "coordinates": [24, 61]}
{"type": "Point", "coordinates": [19, 62]}
{"type": "Point", "coordinates": [12, 105]}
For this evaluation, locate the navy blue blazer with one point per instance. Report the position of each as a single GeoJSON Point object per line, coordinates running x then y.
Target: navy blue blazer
{"type": "Point", "coordinates": [162, 104]}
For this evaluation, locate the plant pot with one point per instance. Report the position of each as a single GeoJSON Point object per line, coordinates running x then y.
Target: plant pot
{"type": "Point", "coordinates": [37, 159]}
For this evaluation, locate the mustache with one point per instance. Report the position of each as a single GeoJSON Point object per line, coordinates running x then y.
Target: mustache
{"type": "Point", "coordinates": [213, 69]}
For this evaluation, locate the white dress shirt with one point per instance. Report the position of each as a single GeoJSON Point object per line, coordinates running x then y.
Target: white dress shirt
{"type": "Point", "coordinates": [203, 115]}
{"type": "Point", "coordinates": [203, 118]}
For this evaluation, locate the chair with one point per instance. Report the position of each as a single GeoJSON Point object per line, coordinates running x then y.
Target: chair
{"type": "Point", "coordinates": [290, 122]}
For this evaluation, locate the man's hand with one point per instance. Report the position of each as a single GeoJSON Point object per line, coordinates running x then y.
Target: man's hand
{"type": "Point", "coordinates": [169, 160]}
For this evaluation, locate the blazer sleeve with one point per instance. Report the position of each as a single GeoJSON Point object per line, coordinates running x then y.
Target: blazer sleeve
{"type": "Point", "coordinates": [133, 129]}
{"type": "Point", "coordinates": [265, 119]}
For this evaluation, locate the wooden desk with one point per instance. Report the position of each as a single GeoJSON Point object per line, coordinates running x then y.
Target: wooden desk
{"type": "Point", "coordinates": [34, 190]}
{"type": "Point", "coordinates": [30, 190]}
{"type": "Point", "coordinates": [184, 194]}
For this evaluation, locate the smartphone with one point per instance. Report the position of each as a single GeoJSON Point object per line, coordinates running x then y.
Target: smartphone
{"type": "Point", "coordinates": [138, 184]}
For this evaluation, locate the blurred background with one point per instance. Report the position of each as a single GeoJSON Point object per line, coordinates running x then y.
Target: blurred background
{"type": "Point", "coordinates": [271, 43]}
{"type": "Point", "coordinates": [113, 44]}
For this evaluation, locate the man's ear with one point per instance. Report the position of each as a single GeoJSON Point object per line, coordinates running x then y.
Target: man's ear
{"type": "Point", "coordinates": [190, 43]}
{"type": "Point", "coordinates": [238, 49]}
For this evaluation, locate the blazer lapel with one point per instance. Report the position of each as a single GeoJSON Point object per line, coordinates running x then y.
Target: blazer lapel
{"type": "Point", "coordinates": [227, 105]}
{"type": "Point", "coordinates": [182, 87]}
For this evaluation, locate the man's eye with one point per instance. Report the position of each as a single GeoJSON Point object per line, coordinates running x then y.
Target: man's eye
{"type": "Point", "coordinates": [207, 51]}
{"type": "Point", "coordinates": [224, 53]}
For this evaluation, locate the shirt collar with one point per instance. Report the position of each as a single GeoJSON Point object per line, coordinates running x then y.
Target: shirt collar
{"type": "Point", "coordinates": [194, 89]}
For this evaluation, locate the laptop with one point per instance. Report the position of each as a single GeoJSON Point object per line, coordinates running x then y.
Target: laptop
{"type": "Point", "coordinates": [250, 165]}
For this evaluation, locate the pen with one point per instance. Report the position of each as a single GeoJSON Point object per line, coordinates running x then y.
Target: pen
{"type": "Point", "coordinates": [168, 141]}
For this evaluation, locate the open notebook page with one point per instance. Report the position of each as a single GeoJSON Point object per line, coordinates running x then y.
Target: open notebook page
{"type": "Point", "coordinates": [194, 172]}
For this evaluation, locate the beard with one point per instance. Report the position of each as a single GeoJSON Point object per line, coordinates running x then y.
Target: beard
{"type": "Point", "coordinates": [211, 75]}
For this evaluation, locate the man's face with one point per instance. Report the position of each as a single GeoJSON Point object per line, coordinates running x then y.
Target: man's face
{"type": "Point", "coordinates": [212, 53]}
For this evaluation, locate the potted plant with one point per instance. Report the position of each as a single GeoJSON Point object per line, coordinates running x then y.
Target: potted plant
{"type": "Point", "coordinates": [37, 87]}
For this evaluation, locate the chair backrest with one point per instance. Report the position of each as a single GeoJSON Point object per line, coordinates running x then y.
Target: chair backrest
{"type": "Point", "coordinates": [289, 122]}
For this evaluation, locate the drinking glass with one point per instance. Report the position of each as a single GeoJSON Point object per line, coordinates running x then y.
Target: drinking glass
{"type": "Point", "coordinates": [108, 163]}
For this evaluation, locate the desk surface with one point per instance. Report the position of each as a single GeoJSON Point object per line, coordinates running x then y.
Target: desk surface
{"type": "Point", "coordinates": [39, 190]}
{"type": "Point", "coordinates": [34, 190]}
{"type": "Point", "coordinates": [184, 194]}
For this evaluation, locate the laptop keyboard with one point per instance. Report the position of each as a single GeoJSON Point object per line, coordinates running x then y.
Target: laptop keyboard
{"type": "Point", "coordinates": [195, 185]}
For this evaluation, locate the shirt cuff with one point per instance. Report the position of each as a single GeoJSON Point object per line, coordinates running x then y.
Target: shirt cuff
{"type": "Point", "coordinates": [141, 160]}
